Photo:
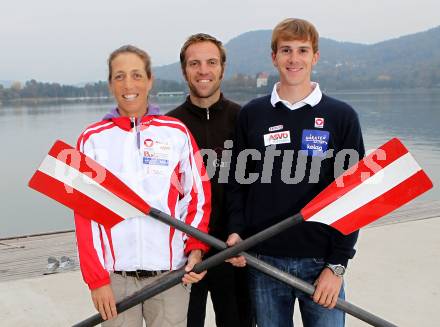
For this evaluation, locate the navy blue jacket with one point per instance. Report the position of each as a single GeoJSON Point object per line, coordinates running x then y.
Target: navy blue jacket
{"type": "Point", "coordinates": [329, 126]}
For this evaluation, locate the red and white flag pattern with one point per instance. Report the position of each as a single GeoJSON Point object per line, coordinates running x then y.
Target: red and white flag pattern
{"type": "Point", "coordinates": [80, 183]}
{"type": "Point", "coordinates": [380, 183]}
{"type": "Point", "coordinates": [383, 181]}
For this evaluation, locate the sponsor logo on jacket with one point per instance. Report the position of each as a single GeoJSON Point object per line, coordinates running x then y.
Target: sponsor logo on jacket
{"type": "Point", "coordinates": [277, 138]}
{"type": "Point", "coordinates": [315, 142]}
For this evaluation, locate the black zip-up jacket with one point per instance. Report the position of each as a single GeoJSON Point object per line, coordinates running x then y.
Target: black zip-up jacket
{"type": "Point", "coordinates": [210, 128]}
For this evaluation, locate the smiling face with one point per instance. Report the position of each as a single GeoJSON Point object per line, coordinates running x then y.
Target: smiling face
{"type": "Point", "coordinates": [203, 71]}
{"type": "Point", "coordinates": [130, 84]}
{"type": "Point", "coordinates": [294, 60]}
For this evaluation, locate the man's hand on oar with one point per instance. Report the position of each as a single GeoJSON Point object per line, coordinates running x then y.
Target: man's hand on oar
{"type": "Point", "coordinates": [238, 261]}
{"type": "Point", "coordinates": [328, 286]}
{"type": "Point", "coordinates": [192, 277]}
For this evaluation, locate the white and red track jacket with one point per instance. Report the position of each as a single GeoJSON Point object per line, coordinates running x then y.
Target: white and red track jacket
{"type": "Point", "coordinates": [158, 158]}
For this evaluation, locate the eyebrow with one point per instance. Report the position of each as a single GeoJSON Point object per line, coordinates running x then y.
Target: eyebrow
{"type": "Point", "coordinates": [198, 60]}
{"type": "Point", "coordinates": [300, 47]}
{"type": "Point", "coordinates": [133, 70]}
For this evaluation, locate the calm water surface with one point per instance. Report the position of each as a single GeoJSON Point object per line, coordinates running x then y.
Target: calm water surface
{"type": "Point", "coordinates": [27, 132]}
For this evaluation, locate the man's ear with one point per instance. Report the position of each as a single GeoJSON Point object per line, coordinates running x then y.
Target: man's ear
{"type": "Point", "coordinates": [316, 56]}
{"type": "Point", "coordinates": [273, 55]}
{"type": "Point", "coordinates": [184, 74]}
{"type": "Point", "coordinates": [223, 71]}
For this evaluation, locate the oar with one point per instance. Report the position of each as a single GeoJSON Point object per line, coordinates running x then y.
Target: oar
{"type": "Point", "coordinates": [172, 278]}
{"type": "Point", "coordinates": [58, 170]}
{"type": "Point", "coordinates": [175, 277]}
{"type": "Point", "coordinates": [394, 150]}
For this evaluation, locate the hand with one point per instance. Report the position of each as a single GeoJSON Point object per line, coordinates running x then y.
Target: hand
{"type": "Point", "coordinates": [327, 289]}
{"type": "Point", "coordinates": [194, 258]}
{"type": "Point", "coordinates": [104, 301]}
{"type": "Point", "coordinates": [238, 261]}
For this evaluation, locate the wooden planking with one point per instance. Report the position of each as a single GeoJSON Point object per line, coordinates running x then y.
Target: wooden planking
{"type": "Point", "coordinates": [410, 212]}
{"type": "Point", "coordinates": [24, 257]}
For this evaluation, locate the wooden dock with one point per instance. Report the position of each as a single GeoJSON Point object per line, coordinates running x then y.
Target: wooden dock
{"type": "Point", "coordinates": [26, 256]}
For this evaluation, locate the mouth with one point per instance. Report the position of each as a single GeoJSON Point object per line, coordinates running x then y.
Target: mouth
{"type": "Point", "coordinates": [204, 80]}
{"type": "Point", "coordinates": [130, 97]}
{"type": "Point", "coordinates": [294, 69]}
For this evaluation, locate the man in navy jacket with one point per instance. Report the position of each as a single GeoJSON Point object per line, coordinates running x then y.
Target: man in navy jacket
{"type": "Point", "coordinates": [289, 146]}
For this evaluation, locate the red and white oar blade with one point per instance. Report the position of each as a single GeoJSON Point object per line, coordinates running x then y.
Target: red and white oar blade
{"type": "Point", "coordinates": [381, 182]}
{"type": "Point", "coordinates": [80, 183]}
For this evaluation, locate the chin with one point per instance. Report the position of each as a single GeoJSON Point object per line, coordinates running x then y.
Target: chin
{"type": "Point", "coordinates": [204, 94]}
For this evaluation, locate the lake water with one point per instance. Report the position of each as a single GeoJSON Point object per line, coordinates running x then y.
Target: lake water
{"type": "Point", "coordinates": [27, 133]}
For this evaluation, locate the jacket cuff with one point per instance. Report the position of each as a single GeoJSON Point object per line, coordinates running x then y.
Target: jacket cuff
{"type": "Point", "coordinates": [337, 259]}
{"type": "Point", "coordinates": [99, 283]}
{"type": "Point", "coordinates": [194, 244]}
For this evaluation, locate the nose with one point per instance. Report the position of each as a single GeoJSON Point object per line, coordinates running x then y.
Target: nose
{"type": "Point", "coordinates": [203, 68]}
{"type": "Point", "coordinates": [293, 56]}
{"type": "Point", "coordinates": [127, 82]}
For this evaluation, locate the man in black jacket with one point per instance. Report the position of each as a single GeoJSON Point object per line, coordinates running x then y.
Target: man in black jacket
{"type": "Point", "coordinates": [211, 119]}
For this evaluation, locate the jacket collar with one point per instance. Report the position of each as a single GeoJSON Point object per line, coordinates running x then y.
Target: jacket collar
{"type": "Point", "coordinates": [201, 112]}
{"type": "Point", "coordinates": [125, 122]}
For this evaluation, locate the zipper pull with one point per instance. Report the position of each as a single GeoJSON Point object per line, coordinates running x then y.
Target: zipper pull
{"type": "Point", "coordinates": [207, 113]}
{"type": "Point", "coordinates": [136, 130]}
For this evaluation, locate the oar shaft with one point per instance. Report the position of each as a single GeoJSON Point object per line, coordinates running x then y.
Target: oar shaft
{"type": "Point", "coordinates": [161, 284]}
{"type": "Point", "coordinates": [169, 280]}
{"type": "Point", "coordinates": [309, 289]}
{"type": "Point", "coordinates": [264, 267]}
{"type": "Point", "coordinates": [174, 278]}
{"type": "Point", "coordinates": [216, 243]}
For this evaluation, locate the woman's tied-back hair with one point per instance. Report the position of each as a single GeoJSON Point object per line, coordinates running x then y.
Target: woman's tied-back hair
{"type": "Point", "coordinates": [130, 49]}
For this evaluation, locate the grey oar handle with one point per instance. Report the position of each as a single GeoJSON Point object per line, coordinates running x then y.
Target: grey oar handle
{"type": "Point", "coordinates": [174, 277]}
{"type": "Point", "coordinates": [280, 275]}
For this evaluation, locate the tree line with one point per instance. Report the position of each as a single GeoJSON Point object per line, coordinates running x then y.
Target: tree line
{"type": "Point", "coordinates": [40, 90]}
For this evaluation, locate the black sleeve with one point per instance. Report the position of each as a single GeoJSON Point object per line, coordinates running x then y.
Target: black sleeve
{"type": "Point", "coordinates": [350, 138]}
{"type": "Point", "coordinates": [236, 192]}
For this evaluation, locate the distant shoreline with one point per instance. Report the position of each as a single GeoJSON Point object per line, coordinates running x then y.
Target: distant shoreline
{"type": "Point", "coordinates": [173, 99]}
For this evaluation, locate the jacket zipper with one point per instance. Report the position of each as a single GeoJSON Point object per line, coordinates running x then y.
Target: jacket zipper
{"type": "Point", "coordinates": [207, 113]}
{"type": "Point", "coordinates": [135, 126]}
{"type": "Point", "coordinates": [137, 137]}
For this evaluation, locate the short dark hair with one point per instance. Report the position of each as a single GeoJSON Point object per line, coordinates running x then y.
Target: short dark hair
{"type": "Point", "coordinates": [201, 37]}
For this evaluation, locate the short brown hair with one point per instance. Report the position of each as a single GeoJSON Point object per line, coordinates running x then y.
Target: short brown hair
{"type": "Point", "coordinates": [130, 49]}
{"type": "Point", "coordinates": [201, 37]}
{"type": "Point", "coordinates": [295, 29]}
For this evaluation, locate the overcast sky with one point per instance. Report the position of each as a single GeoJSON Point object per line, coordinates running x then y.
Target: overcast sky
{"type": "Point", "coordinates": [69, 41]}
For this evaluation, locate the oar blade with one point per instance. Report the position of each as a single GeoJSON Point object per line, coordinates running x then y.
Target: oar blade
{"type": "Point", "coordinates": [75, 200]}
{"type": "Point", "coordinates": [80, 183]}
{"type": "Point", "coordinates": [383, 181]}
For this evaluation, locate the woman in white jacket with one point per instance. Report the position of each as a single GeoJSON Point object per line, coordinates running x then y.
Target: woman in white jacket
{"type": "Point", "coordinates": [158, 158]}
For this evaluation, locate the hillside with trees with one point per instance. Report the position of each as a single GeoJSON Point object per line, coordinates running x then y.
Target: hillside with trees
{"type": "Point", "coordinates": [405, 62]}
{"type": "Point", "coordinates": [411, 61]}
